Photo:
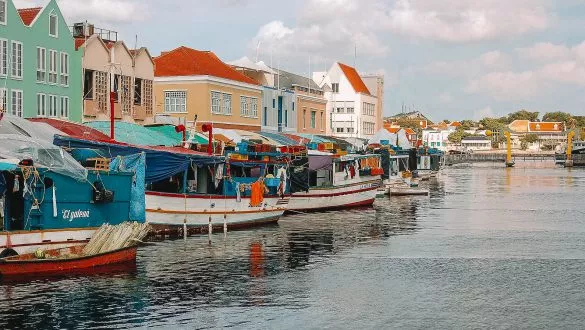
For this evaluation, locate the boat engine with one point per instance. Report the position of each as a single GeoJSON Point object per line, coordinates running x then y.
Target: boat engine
{"type": "Point", "coordinates": [101, 194]}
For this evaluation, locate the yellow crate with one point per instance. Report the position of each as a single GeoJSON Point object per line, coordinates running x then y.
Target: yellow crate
{"type": "Point", "coordinates": [328, 145]}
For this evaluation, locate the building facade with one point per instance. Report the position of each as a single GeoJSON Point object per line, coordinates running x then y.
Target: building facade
{"type": "Point", "coordinates": [190, 83]}
{"type": "Point", "coordinates": [108, 65]}
{"type": "Point", "coordinates": [351, 108]}
{"type": "Point", "coordinates": [279, 99]}
{"type": "Point", "coordinates": [375, 84]}
{"type": "Point", "coordinates": [40, 71]}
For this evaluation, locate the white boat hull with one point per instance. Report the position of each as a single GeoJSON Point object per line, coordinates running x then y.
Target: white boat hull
{"type": "Point", "coordinates": [197, 212]}
{"type": "Point", "coordinates": [339, 197]}
{"type": "Point", "coordinates": [24, 242]}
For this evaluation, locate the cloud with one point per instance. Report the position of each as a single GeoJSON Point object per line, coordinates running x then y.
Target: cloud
{"type": "Point", "coordinates": [486, 112]}
{"type": "Point", "coordinates": [466, 21]}
{"type": "Point", "coordinates": [98, 11]}
{"type": "Point", "coordinates": [490, 61]}
{"type": "Point", "coordinates": [546, 51]}
{"type": "Point", "coordinates": [446, 97]}
{"type": "Point", "coordinates": [507, 86]}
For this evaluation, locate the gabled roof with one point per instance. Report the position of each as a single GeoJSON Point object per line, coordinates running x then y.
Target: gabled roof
{"type": "Point", "coordinates": [185, 61]}
{"type": "Point", "coordinates": [455, 124]}
{"type": "Point", "coordinates": [354, 79]}
{"type": "Point", "coordinates": [28, 15]}
{"type": "Point", "coordinates": [136, 52]}
{"type": "Point", "coordinates": [290, 80]}
{"type": "Point", "coordinates": [393, 130]}
{"type": "Point", "coordinates": [246, 63]}
{"type": "Point", "coordinates": [409, 131]}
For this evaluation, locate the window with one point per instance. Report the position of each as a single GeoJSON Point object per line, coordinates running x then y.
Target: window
{"type": "Point", "coordinates": [52, 66]}
{"type": "Point", "coordinates": [64, 107]}
{"type": "Point", "coordinates": [88, 85]}
{"type": "Point", "coordinates": [3, 57]}
{"type": "Point", "coordinates": [339, 129]}
{"type": "Point", "coordinates": [175, 101]}
{"type": "Point", "coordinates": [216, 102]}
{"type": "Point", "coordinates": [101, 90]}
{"type": "Point", "coordinates": [3, 100]}
{"type": "Point", "coordinates": [17, 59]}
{"type": "Point", "coordinates": [322, 122]}
{"type": "Point", "coordinates": [293, 107]}
{"type": "Point", "coordinates": [227, 104]}
{"type": "Point", "coordinates": [335, 87]}
{"type": "Point", "coordinates": [147, 97]}
{"type": "Point", "coordinates": [243, 106]}
{"type": "Point", "coordinates": [41, 105]}
{"type": "Point", "coordinates": [350, 110]}
{"type": "Point", "coordinates": [254, 105]}
{"type": "Point", "coordinates": [265, 116]}
{"type": "Point", "coordinates": [273, 103]}
{"type": "Point", "coordinates": [52, 106]}
{"type": "Point", "coordinates": [64, 69]}
{"type": "Point", "coordinates": [350, 130]}
{"type": "Point", "coordinates": [313, 118]}
{"type": "Point", "coordinates": [116, 88]}
{"type": "Point", "coordinates": [369, 109]}
{"type": "Point", "coordinates": [137, 91]}
{"type": "Point", "coordinates": [3, 10]}
{"type": "Point", "coordinates": [53, 25]}
{"type": "Point", "coordinates": [340, 110]}
{"type": "Point", "coordinates": [16, 103]}
{"type": "Point", "coordinates": [125, 93]}
{"type": "Point", "coordinates": [304, 118]}
{"type": "Point", "coordinates": [41, 64]}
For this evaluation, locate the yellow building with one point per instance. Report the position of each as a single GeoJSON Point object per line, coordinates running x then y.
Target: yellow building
{"type": "Point", "coordinates": [191, 83]}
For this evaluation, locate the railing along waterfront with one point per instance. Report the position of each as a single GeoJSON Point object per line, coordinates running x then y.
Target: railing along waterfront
{"type": "Point", "coordinates": [495, 158]}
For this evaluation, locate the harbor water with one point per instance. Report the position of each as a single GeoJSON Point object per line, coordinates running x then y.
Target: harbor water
{"type": "Point", "coordinates": [490, 248]}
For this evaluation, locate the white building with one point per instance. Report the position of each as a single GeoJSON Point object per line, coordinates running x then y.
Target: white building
{"type": "Point", "coordinates": [438, 139]}
{"type": "Point", "coordinates": [352, 111]}
{"type": "Point", "coordinates": [476, 143]}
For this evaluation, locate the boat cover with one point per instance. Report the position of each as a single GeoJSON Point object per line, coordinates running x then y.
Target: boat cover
{"type": "Point", "coordinates": [161, 162]}
{"type": "Point", "coordinates": [135, 164]}
{"type": "Point", "coordinates": [19, 147]}
{"type": "Point", "coordinates": [72, 129]}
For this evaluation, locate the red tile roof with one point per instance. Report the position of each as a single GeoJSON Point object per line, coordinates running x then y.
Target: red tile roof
{"type": "Point", "coordinates": [456, 124]}
{"type": "Point", "coordinates": [79, 42]}
{"type": "Point", "coordinates": [185, 61]}
{"type": "Point", "coordinates": [354, 79]}
{"type": "Point", "coordinates": [393, 130]}
{"type": "Point", "coordinates": [409, 131]}
{"type": "Point", "coordinates": [28, 15]}
{"type": "Point", "coordinates": [546, 127]}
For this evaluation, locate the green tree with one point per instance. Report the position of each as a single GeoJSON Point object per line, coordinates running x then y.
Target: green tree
{"type": "Point", "coordinates": [557, 116]}
{"type": "Point", "coordinates": [492, 124]}
{"type": "Point", "coordinates": [447, 121]}
{"type": "Point", "coordinates": [468, 124]}
{"type": "Point", "coordinates": [457, 136]}
{"type": "Point", "coordinates": [530, 138]}
{"type": "Point", "coordinates": [523, 115]}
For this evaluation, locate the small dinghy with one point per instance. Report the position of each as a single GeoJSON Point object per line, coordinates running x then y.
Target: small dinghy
{"type": "Point", "coordinates": [111, 245]}
{"type": "Point", "coordinates": [409, 188]}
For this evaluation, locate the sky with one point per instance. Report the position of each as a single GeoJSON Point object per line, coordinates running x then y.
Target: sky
{"type": "Point", "coordinates": [450, 59]}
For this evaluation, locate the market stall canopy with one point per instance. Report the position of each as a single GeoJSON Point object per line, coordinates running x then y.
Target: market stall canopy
{"type": "Point", "coordinates": [397, 139]}
{"type": "Point", "coordinates": [283, 139]}
{"type": "Point", "coordinates": [134, 134]}
{"type": "Point", "coordinates": [19, 126]}
{"type": "Point", "coordinates": [169, 131]}
{"type": "Point", "coordinates": [73, 129]}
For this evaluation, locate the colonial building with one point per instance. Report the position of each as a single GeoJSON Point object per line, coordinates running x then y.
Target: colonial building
{"type": "Point", "coordinates": [351, 108]}
{"type": "Point", "coordinates": [191, 83]}
{"type": "Point", "coordinates": [108, 65]}
{"type": "Point", "coordinates": [551, 134]}
{"type": "Point", "coordinates": [40, 71]}
{"type": "Point", "coordinates": [279, 100]}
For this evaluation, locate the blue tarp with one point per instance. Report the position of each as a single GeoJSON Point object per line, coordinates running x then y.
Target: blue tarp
{"type": "Point", "coordinates": [135, 164]}
{"type": "Point", "coordinates": [160, 164]}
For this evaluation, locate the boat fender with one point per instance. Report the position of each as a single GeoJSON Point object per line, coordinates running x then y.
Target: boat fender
{"type": "Point", "coordinates": [8, 253]}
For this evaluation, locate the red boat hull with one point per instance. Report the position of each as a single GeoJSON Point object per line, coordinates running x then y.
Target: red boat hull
{"type": "Point", "coordinates": [28, 265]}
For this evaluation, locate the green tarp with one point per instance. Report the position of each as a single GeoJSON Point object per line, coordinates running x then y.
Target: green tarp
{"type": "Point", "coordinates": [135, 134]}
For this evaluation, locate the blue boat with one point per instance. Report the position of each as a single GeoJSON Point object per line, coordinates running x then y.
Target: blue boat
{"type": "Point", "coordinates": [49, 201]}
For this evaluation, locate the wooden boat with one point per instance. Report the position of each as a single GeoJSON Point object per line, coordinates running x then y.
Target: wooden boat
{"type": "Point", "coordinates": [407, 189]}
{"type": "Point", "coordinates": [339, 182]}
{"type": "Point", "coordinates": [63, 261]}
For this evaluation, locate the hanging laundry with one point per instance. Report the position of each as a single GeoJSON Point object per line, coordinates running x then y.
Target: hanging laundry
{"type": "Point", "coordinates": [257, 195]}
{"type": "Point", "coordinates": [218, 175]}
{"type": "Point", "coordinates": [238, 193]}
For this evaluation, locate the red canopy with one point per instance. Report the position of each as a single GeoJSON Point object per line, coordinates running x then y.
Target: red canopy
{"type": "Point", "coordinates": [73, 129]}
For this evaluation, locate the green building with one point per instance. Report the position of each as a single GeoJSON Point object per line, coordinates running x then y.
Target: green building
{"type": "Point", "coordinates": [40, 70]}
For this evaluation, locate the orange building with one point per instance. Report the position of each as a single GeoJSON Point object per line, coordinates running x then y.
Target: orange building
{"type": "Point", "coordinates": [191, 83]}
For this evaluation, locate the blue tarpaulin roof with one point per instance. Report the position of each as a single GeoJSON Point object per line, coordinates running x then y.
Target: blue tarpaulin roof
{"type": "Point", "coordinates": [134, 134]}
{"type": "Point", "coordinates": [161, 162]}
